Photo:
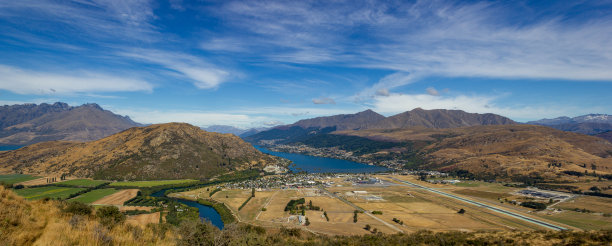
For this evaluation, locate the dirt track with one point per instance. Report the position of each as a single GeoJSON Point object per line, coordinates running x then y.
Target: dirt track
{"type": "Point", "coordinates": [117, 198]}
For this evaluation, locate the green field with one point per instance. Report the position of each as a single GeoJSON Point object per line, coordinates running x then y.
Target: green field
{"type": "Point", "coordinates": [152, 183]}
{"type": "Point", "coordinates": [16, 178]}
{"type": "Point", "coordinates": [93, 195]}
{"type": "Point", "coordinates": [83, 182]}
{"type": "Point", "coordinates": [47, 191]}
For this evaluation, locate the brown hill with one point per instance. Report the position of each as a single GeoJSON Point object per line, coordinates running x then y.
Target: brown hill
{"type": "Point", "coordinates": [606, 135]}
{"type": "Point", "coordinates": [28, 124]}
{"type": "Point", "coordinates": [439, 118]}
{"type": "Point", "coordinates": [503, 151]}
{"type": "Point", "coordinates": [164, 151]}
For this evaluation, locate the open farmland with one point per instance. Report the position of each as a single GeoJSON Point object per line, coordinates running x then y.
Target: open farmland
{"type": "Point", "coordinates": [82, 183]}
{"type": "Point", "coordinates": [47, 192]}
{"type": "Point", "coordinates": [151, 183]}
{"type": "Point", "coordinates": [94, 195]}
{"type": "Point", "coordinates": [16, 178]}
{"type": "Point", "coordinates": [590, 203]}
{"type": "Point", "coordinates": [117, 198]}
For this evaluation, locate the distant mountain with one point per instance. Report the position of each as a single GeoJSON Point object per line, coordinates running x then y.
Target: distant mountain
{"type": "Point", "coordinates": [30, 123]}
{"type": "Point", "coordinates": [590, 124]}
{"type": "Point", "coordinates": [164, 151]}
{"type": "Point", "coordinates": [438, 118]}
{"type": "Point", "coordinates": [253, 131]}
{"type": "Point", "coordinates": [303, 129]}
{"type": "Point", "coordinates": [225, 129]}
{"type": "Point", "coordinates": [589, 118]}
{"type": "Point", "coordinates": [343, 121]}
{"type": "Point", "coordinates": [235, 130]}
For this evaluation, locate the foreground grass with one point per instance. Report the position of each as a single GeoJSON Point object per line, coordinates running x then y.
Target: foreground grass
{"type": "Point", "coordinates": [94, 195]}
{"type": "Point", "coordinates": [45, 223]}
{"type": "Point", "coordinates": [82, 183]}
{"type": "Point", "coordinates": [48, 192]}
{"type": "Point", "coordinates": [151, 183]}
{"type": "Point", "coordinates": [16, 178]}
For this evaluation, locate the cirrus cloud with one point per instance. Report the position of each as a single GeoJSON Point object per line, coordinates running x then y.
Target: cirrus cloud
{"type": "Point", "coordinates": [24, 81]}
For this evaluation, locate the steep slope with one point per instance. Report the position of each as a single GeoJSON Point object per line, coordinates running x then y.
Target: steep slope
{"type": "Point", "coordinates": [503, 151]}
{"type": "Point", "coordinates": [439, 118]}
{"type": "Point", "coordinates": [33, 124]}
{"type": "Point", "coordinates": [164, 151]}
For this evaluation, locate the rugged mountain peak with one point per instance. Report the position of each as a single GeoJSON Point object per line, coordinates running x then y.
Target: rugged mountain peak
{"type": "Point", "coordinates": [440, 118]}
{"type": "Point", "coordinates": [31, 123]}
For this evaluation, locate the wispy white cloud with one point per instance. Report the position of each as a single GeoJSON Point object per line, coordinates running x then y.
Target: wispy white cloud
{"type": "Point", "coordinates": [23, 81]}
{"type": "Point", "coordinates": [324, 100]}
{"type": "Point", "coordinates": [432, 91]}
{"type": "Point", "coordinates": [425, 38]}
{"type": "Point", "coordinates": [383, 92]}
{"type": "Point", "coordinates": [203, 74]}
{"type": "Point", "coordinates": [102, 19]}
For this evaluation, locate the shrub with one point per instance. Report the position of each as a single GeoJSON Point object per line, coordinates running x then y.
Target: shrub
{"type": "Point", "coordinates": [377, 212]}
{"type": "Point", "coordinates": [534, 205]}
{"type": "Point", "coordinates": [292, 232]}
{"type": "Point", "coordinates": [110, 216]}
{"type": "Point", "coordinates": [461, 211]}
{"type": "Point", "coordinates": [77, 208]}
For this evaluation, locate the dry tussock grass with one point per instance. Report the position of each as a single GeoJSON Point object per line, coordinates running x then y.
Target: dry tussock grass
{"type": "Point", "coordinates": [42, 223]}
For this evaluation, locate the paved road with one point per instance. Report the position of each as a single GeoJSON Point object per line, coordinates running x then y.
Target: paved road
{"type": "Point", "coordinates": [360, 209]}
{"type": "Point", "coordinates": [495, 209]}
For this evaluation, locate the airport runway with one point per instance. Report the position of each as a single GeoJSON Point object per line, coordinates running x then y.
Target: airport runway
{"type": "Point", "coordinates": [495, 209]}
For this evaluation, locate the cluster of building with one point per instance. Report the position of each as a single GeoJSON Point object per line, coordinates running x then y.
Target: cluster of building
{"type": "Point", "coordinates": [301, 180]}
{"type": "Point", "coordinates": [542, 194]}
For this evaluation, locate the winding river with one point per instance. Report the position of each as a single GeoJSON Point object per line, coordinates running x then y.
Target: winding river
{"type": "Point", "coordinates": [206, 212]}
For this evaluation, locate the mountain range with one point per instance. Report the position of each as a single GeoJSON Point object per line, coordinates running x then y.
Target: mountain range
{"type": "Point", "coordinates": [488, 146]}
{"type": "Point", "coordinates": [590, 124]}
{"type": "Point", "coordinates": [241, 132]}
{"type": "Point", "coordinates": [164, 151]}
{"type": "Point", "coordinates": [27, 124]}
{"type": "Point", "coordinates": [438, 118]}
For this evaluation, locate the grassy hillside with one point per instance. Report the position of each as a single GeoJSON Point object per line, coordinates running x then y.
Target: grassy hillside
{"type": "Point", "coordinates": [503, 151]}
{"type": "Point", "coordinates": [43, 223]}
{"type": "Point", "coordinates": [156, 152]}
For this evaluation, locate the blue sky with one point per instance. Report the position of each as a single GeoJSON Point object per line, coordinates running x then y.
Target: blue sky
{"type": "Point", "coordinates": [261, 63]}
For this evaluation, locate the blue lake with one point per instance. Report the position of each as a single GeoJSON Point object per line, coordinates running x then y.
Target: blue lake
{"type": "Point", "coordinates": [315, 164]}
{"type": "Point", "coordinates": [9, 147]}
{"type": "Point", "coordinates": [206, 212]}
